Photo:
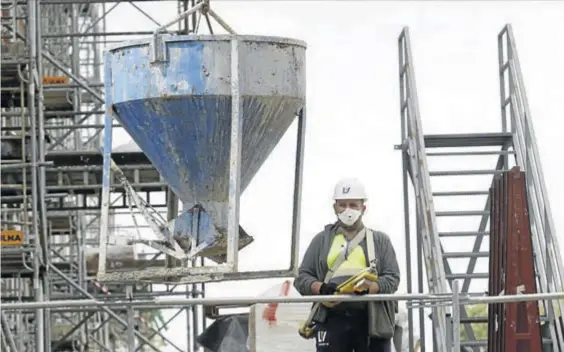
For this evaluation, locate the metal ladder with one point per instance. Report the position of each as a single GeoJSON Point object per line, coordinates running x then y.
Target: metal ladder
{"type": "Point", "coordinates": [433, 230]}
{"type": "Point", "coordinates": [515, 108]}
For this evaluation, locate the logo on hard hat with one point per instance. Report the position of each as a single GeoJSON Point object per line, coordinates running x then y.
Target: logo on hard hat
{"type": "Point", "coordinates": [346, 190]}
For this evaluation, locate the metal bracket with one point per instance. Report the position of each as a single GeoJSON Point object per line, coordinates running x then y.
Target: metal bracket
{"type": "Point", "coordinates": [403, 146]}
{"type": "Point", "coordinates": [158, 48]}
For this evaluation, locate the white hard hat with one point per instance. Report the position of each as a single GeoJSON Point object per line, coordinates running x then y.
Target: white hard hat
{"type": "Point", "coordinates": [349, 188]}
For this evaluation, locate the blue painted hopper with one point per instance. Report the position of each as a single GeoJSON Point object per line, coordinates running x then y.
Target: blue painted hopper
{"type": "Point", "coordinates": [173, 96]}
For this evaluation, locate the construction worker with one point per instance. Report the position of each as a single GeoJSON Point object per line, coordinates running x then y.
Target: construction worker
{"type": "Point", "coordinates": [350, 326]}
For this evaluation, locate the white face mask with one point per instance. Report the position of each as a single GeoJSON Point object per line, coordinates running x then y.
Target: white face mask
{"type": "Point", "coordinates": [349, 216]}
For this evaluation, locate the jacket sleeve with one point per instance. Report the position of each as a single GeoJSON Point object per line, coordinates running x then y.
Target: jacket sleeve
{"type": "Point", "coordinates": [389, 275]}
{"type": "Point", "coordinates": [307, 273]}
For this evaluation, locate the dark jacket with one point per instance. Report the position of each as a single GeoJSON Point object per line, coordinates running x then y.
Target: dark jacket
{"type": "Point", "coordinates": [314, 265]}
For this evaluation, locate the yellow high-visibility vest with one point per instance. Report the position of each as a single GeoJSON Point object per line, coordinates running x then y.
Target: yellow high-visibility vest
{"type": "Point", "coordinates": [355, 262]}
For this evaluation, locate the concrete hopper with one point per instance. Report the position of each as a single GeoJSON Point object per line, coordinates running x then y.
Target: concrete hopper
{"type": "Point", "coordinates": [200, 107]}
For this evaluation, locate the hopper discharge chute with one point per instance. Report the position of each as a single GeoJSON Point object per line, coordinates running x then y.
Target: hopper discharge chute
{"type": "Point", "coordinates": [207, 111]}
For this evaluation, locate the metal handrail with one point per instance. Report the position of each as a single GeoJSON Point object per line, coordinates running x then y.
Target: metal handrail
{"type": "Point", "coordinates": [165, 302]}
{"type": "Point", "coordinates": [456, 299]}
{"type": "Point", "coordinates": [525, 145]}
{"type": "Point", "coordinates": [422, 186]}
{"type": "Point", "coordinates": [533, 162]}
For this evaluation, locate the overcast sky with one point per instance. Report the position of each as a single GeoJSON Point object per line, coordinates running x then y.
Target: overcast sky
{"type": "Point", "coordinates": [353, 107]}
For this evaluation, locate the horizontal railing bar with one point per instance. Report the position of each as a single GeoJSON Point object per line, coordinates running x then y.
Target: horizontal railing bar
{"type": "Point", "coordinates": [183, 302]}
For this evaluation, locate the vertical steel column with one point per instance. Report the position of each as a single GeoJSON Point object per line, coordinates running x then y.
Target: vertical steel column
{"type": "Point", "coordinates": [420, 283]}
{"type": "Point", "coordinates": [171, 214]}
{"type": "Point", "coordinates": [80, 233]}
{"type": "Point", "coordinates": [407, 225]}
{"type": "Point", "coordinates": [298, 182]}
{"type": "Point", "coordinates": [189, 324]}
{"type": "Point", "coordinates": [130, 321]}
{"type": "Point", "coordinates": [494, 266]}
{"type": "Point", "coordinates": [106, 170]}
{"type": "Point", "coordinates": [38, 253]}
{"type": "Point", "coordinates": [455, 316]}
{"type": "Point", "coordinates": [75, 67]}
{"type": "Point", "coordinates": [192, 311]}
{"type": "Point", "coordinates": [21, 286]}
{"type": "Point", "coordinates": [234, 159]}
{"type": "Point", "coordinates": [96, 47]}
{"type": "Point", "coordinates": [195, 312]}
{"type": "Point", "coordinates": [203, 295]}
{"type": "Point", "coordinates": [449, 331]}
{"type": "Point", "coordinates": [42, 175]}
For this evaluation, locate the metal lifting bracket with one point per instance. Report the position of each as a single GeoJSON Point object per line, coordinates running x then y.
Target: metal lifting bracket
{"type": "Point", "coordinates": [158, 43]}
{"type": "Point", "coordinates": [157, 48]}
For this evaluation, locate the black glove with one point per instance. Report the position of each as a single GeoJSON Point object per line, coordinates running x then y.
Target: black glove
{"type": "Point", "coordinates": [327, 289]}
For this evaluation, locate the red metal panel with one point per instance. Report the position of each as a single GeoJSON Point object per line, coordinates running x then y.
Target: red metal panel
{"type": "Point", "coordinates": [513, 327]}
{"type": "Point", "coordinates": [522, 319]}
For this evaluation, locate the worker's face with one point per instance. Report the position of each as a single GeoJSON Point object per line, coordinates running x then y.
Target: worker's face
{"type": "Point", "coordinates": [349, 212]}
{"type": "Point", "coordinates": [355, 204]}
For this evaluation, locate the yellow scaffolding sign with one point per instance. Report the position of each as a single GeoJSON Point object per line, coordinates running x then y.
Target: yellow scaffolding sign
{"type": "Point", "coordinates": [12, 238]}
{"type": "Point", "coordinates": [55, 80]}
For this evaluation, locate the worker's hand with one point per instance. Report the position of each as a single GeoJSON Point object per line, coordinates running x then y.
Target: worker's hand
{"type": "Point", "coordinates": [368, 287]}
{"type": "Point", "coordinates": [374, 288]}
{"type": "Point", "coordinates": [327, 289]}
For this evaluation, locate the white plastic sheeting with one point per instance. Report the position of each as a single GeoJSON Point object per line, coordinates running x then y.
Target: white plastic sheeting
{"type": "Point", "coordinates": [274, 328]}
{"type": "Point", "coordinates": [402, 328]}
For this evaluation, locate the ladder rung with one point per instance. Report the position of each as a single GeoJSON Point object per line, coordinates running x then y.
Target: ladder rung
{"type": "Point", "coordinates": [467, 276]}
{"type": "Point", "coordinates": [466, 255]}
{"type": "Point", "coordinates": [502, 152]}
{"type": "Point", "coordinates": [19, 61]}
{"type": "Point", "coordinates": [467, 140]}
{"type": "Point", "coordinates": [463, 233]}
{"type": "Point", "coordinates": [11, 186]}
{"type": "Point", "coordinates": [8, 137]}
{"type": "Point", "coordinates": [462, 213]}
{"type": "Point", "coordinates": [460, 193]}
{"type": "Point", "coordinates": [476, 343]}
{"type": "Point", "coordinates": [465, 172]}
{"type": "Point", "coordinates": [473, 343]}
{"type": "Point", "coordinates": [474, 320]}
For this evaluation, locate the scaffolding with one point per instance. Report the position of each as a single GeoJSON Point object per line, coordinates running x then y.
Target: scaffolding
{"type": "Point", "coordinates": [437, 233]}
{"type": "Point", "coordinates": [52, 100]}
